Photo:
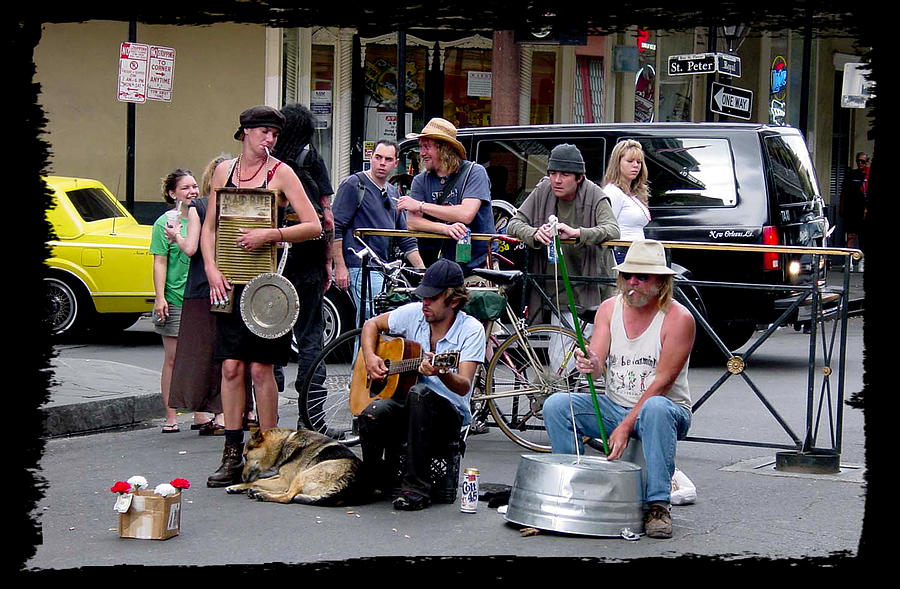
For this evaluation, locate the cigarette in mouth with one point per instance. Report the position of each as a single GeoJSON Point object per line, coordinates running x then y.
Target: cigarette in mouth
{"type": "Point", "coordinates": [630, 292]}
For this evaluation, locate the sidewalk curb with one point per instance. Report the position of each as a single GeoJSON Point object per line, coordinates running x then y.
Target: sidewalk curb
{"type": "Point", "coordinates": [91, 395]}
{"type": "Point", "coordinates": [94, 416]}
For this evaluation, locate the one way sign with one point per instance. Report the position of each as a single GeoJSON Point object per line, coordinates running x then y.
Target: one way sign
{"type": "Point", "coordinates": [731, 101]}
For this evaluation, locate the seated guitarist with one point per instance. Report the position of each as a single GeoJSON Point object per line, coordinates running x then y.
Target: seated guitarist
{"type": "Point", "coordinates": [434, 410]}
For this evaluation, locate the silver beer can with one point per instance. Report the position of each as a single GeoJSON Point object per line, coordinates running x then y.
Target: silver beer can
{"type": "Point", "coordinates": [468, 502]}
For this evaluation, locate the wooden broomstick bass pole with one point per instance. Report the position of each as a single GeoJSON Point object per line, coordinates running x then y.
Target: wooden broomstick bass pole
{"type": "Point", "coordinates": [561, 263]}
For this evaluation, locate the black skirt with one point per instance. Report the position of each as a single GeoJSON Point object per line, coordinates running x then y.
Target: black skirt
{"type": "Point", "coordinates": [234, 341]}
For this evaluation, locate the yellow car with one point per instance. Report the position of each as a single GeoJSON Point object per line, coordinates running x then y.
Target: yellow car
{"type": "Point", "coordinates": [100, 268]}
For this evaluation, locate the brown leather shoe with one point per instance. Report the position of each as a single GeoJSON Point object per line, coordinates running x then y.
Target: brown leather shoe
{"type": "Point", "coordinates": [229, 472]}
{"type": "Point", "coordinates": [658, 521]}
{"type": "Point", "coordinates": [211, 428]}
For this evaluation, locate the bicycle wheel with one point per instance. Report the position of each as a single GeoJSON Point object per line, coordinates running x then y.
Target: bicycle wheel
{"type": "Point", "coordinates": [525, 370]}
{"type": "Point", "coordinates": [325, 395]}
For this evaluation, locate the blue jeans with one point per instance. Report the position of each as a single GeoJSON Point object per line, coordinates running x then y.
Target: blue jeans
{"type": "Point", "coordinates": [376, 282]}
{"type": "Point", "coordinates": [660, 424]}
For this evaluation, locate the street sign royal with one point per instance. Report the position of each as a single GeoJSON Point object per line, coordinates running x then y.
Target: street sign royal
{"type": "Point", "coordinates": [731, 101]}
{"type": "Point", "coordinates": [730, 65]}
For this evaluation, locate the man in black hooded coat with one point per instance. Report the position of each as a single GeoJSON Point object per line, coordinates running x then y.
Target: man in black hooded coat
{"type": "Point", "coordinates": [309, 263]}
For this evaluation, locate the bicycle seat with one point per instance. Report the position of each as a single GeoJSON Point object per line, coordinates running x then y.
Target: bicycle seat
{"type": "Point", "coordinates": [502, 277]}
{"type": "Point", "coordinates": [587, 314]}
{"type": "Point", "coordinates": [413, 275]}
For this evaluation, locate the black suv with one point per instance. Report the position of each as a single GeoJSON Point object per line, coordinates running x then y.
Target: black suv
{"type": "Point", "coordinates": [709, 182]}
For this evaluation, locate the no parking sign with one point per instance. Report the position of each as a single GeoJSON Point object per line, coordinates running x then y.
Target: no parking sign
{"type": "Point", "coordinates": [133, 61]}
{"type": "Point", "coordinates": [146, 72]}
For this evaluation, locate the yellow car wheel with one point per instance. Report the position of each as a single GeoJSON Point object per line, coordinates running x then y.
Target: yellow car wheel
{"type": "Point", "coordinates": [63, 306]}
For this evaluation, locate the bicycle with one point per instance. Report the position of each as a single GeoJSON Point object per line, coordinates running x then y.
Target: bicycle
{"type": "Point", "coordinates": [523, 369]}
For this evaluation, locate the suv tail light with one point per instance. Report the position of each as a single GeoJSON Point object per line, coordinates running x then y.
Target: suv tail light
{"type": "Point", "coordinates": [771, 260]}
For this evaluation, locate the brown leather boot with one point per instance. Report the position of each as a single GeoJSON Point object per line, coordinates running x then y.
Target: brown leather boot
{"type": "Point", "coordinates": [229, 472]}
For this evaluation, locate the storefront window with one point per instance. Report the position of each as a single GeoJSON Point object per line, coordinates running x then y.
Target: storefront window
{"type": "Point", "coordinates": [467, 87]}
{"type": "Point", "coordinates": [674, 91]}
{"type": "Point", "coordinates": [645, 79]}
{"type": "Point", "coordinates": [381, 93]}
{"type": "Point", "coordinates": [543, 77]}
{"type": "Point", "coordinates": [321, 99]}
{"type": "Point", "coordinates": [781, 76]}
{"type": "Point", "coordinates": [588, 101]}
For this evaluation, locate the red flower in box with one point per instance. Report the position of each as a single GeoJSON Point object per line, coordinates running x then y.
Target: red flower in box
{"type": "Point", "coordinates": [180, 483]}
{"type": "Point", "coordinates": [121, 487]}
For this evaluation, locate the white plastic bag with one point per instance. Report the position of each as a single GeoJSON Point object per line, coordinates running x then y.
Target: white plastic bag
{"type": "Point", "coordinates": [683, 490]}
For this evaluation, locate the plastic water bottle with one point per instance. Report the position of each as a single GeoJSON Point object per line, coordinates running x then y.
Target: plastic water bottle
{"type": "Point", "coordinates": [552, 254]}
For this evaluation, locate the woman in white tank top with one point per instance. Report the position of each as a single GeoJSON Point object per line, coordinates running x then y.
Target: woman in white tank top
{"type": "Point", "coordinates": [625, 183]}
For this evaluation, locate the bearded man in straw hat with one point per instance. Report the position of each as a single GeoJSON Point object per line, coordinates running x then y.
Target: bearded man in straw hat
{"type": "Point", "coordinates": [642, 343]}
{"type": "Point", "coordinates": [450, 195]}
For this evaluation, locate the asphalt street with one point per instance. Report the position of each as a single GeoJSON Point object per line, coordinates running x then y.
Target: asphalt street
{"type": "Point", "coordinates": [746, 508]}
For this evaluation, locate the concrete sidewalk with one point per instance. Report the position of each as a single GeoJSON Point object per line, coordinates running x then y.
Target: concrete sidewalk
{"type": "Point", "coordinates": [90, 395]}
{"type": "Point", "coordinates": [93, 395]}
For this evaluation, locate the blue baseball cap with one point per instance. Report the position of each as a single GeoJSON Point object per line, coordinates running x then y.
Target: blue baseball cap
{"type": "Point", "coordinates": [440, 276]}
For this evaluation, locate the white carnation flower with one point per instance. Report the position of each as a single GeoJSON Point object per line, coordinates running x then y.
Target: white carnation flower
{"type": "Point", "coordinates": [165, 489]}
{"type": "Point", "coordinates": [138, 482]}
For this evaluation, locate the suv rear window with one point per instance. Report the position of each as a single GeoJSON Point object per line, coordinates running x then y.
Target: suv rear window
{"type": "Point", "coordinates": [689, 172]}
{"type": "Point", "coordinates": [93, 204]}
{"type": "Point", "coordinates": [791, 169]}
{"type": "Point", "coordinates": [515, 166]}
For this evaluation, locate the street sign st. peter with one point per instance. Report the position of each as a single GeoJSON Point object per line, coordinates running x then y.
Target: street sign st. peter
{"type": "Point", "coordinates": [694, 63]}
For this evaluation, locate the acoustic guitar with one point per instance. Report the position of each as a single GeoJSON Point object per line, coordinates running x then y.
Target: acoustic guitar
{"type": "Point", "coordinates": [402, 358]}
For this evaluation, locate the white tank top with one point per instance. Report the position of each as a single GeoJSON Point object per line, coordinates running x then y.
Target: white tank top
{"type": "Point", "coordinates": [631, 214]}
{"type": "Point", "coordinates": [631, 365]}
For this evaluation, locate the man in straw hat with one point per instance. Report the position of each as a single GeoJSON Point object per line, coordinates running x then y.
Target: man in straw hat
{"type": "Point", "coordinates": [642, 342]}
{"type": "Point", "coordinates": [450, 195]}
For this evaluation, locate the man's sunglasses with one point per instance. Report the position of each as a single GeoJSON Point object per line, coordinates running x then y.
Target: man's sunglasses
{"type": "Point", "coordinates": [628, 275]}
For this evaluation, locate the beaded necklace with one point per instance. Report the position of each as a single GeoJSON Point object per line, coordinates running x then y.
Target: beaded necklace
{"type": "Point", "coordinates": [239, 179]}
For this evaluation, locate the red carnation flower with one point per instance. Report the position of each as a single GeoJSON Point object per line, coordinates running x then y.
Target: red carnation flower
{"type": "Point", "coordinates": [121, 487]}
{"type": "Point", "coordinates": [180, 483]}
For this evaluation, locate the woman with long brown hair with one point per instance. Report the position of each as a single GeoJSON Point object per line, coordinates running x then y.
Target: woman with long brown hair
{"type": "Point", "coordinates": [625, 183]}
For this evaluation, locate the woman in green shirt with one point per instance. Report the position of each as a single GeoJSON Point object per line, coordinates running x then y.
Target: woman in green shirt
{"type": "Point", "coordinates": [170, 270]}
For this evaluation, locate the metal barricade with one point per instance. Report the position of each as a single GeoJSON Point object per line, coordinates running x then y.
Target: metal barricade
{"type": "Point", "coordinates": [824, 394]}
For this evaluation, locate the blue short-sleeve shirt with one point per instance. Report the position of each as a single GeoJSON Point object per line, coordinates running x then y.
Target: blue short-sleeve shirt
{"type": "Point", "coordinates": [426, 187]}
{"type": "Point", "coordinates": [466, 335]}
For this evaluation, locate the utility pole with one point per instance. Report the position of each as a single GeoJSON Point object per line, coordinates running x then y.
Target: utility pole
{"type": "Point", "coordinates": [129, 139]}
{"type": "Point", "coordinates": [713, 43]}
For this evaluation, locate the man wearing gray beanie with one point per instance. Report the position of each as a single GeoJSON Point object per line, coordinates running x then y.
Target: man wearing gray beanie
{"type": "Point", "coordinates": [584, 214]}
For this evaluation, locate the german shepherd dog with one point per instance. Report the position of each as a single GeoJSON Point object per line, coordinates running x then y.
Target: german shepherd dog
{"type": "Point", "coordinates": [299, 466]}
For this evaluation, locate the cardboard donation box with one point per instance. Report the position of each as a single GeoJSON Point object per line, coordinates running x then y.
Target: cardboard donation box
{"type": "Point", "coordinates": [150, 516]}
